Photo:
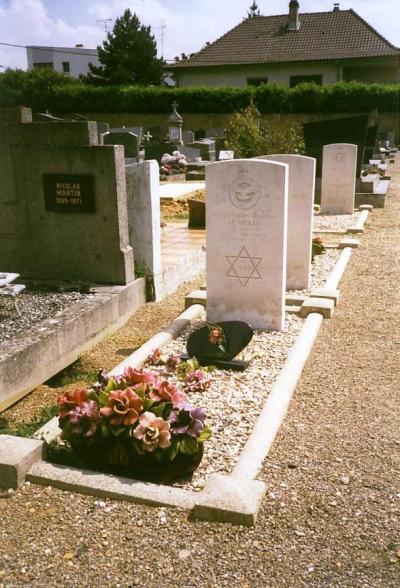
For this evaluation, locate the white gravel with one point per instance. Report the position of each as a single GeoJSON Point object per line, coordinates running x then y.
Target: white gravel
{"type": "Point", "coordinates": [334, 223]}
{"type": "Point", "coordinates": [234, 400]}
{"type": "Point", "coordinates": [35, 307]}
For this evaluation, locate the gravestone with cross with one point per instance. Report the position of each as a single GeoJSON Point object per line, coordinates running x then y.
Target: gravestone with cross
{"type": "Point", "coordinates": [175, 123]}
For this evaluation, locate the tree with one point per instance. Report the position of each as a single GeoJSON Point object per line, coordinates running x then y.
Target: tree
{"type": "Point", "coordinates": [128, 55]}
{"type": "Point", "coordinates": [248, 136]}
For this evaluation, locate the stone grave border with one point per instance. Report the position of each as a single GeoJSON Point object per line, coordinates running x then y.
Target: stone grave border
{"type": "Point", "coordinates": [234, 498]}
{"type": "Point", "coordinates": [55, 343]}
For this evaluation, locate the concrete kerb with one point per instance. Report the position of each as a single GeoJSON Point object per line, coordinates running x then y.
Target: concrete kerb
{"type": "Point", "coordinates": [359, 225]}
{"type": "Point", "coordinates": [50, 346]}
{"type": "Point", "coordinates": [336, 274]}
{"type": "Point", "coordinates": [108, 486]}
{"type": "Point", "coordinates": [274, 410]}
{"type": "Point", "coordinates": [236, 498]}
{"type": "Point", "coordinates": [138, 357]}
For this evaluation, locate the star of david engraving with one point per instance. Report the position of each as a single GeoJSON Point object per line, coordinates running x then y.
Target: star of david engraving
{"type": "Point", "coordinates": [243, 267]}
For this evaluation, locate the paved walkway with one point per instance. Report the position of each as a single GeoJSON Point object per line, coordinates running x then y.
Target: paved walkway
{"type": "Point", "coordinates": [174, 190]}
{"type": "Point", "coordinates": [331, 517]}
{"type": "Point", "coordinates": [177, 241]}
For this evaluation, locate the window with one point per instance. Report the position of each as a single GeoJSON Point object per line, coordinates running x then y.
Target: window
{"type": "Point", "coordinates": [65, 66]}
{"type": "Point", "coordinates": [256, 81]}
{"type": "Point", "coordinates": [296, 80]}
{"type": "Point", "coordinates": [42, 65]}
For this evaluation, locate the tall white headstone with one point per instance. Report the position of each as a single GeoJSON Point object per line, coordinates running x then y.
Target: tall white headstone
{"type": "Point", "coordinates": [246, 242]}
{"type": "Point", "coordinates": [300, 218]}
{"type": "Point", "coordinates": [143, 192]}
{"type": "Point", "coordinates": [338, 185]}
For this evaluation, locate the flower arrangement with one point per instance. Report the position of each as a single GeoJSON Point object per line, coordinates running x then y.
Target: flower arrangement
{"type": "Point", "coordinates": [124, 421]}
{"type": "Point", "coordinates": [173, 164]}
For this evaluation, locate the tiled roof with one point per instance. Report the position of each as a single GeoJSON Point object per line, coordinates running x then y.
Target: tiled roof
{"type": "Point", "coordinates": [339, 34]}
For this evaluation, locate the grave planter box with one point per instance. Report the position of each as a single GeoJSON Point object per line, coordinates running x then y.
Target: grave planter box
{"type": "Point", "coordinates": [197, 214]}
{"type": "Point", "coordinates": [116, 458]}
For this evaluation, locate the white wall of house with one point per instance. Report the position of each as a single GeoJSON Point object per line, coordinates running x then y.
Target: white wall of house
{"type": "Point", "coordinates": [239, 75]}
{"type": "Point", "coordinates": [384, 69]}
{"type": "Point", "coordinates": [72, 61]}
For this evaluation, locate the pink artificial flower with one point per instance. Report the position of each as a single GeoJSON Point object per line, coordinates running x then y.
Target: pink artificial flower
{"type": "Point", "coordinates": [70, 400]}
{"type": "Point", "coordinates": [154, 357]}
{"type": "Point", "coordinates": [123, 407]}
{"type": "Point", "coordinates": [83, 419]}
{"type": "Point", "coordinates": [167, 392]}
{"type": "Point", "coordinates": [153, 432]}
{"type": "Point", "coordinates": [196, 381]}
{"type": "Point", "coordinates": [133, 376]}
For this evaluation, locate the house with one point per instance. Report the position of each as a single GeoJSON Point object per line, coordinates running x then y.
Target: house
{"type": "Point", "coordinates": [72, 61]}
{"type": "Point", "coordinates": [320, 47]}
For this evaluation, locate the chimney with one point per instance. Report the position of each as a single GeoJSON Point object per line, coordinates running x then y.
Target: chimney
{"type": "Point", "coordinates": [336, 7]}
{"type": "Point", "coordinates": [294, 22]}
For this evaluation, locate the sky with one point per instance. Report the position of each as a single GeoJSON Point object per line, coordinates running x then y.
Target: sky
{"type": "Point", "coordinates": [189, 24]}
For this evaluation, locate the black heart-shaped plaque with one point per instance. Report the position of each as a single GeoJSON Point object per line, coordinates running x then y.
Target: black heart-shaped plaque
{"type": "Point", "coordinates": [219, 341]}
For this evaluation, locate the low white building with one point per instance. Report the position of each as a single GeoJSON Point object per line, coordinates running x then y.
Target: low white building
{"type": "Point", "coordinates": [72, 61]}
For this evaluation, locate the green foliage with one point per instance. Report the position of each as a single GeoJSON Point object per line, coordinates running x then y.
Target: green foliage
{"type": "Point", "coordinates": [248, 137]}
{"type": "Point", "coordinates": [282, 137]}
{"type": "Point", "coordinates": [128, 55]}
{"type": "Point", "coordinates": [44, 89]}
{"type": "Point", "coordinates": [141, 270]}
{"type": "Point", "coordinates": [27, 429]}
{"type": "Point", "coordinates": [244, 134]}
{"type": "Point", "coordinates": [30, 87]}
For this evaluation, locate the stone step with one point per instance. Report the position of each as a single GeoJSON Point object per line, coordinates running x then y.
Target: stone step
{"type": "Point", "coordinates": [322, 306]}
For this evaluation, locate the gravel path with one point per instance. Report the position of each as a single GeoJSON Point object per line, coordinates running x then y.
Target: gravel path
{"type": "Point", "coordinates": [331, 517]}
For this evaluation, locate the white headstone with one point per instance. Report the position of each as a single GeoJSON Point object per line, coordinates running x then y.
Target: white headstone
{"type": "Point", "coordinates": [338, 178]}
{"type": "Point", "coordinates": [246, 242]}
{"type": "Point", "coordinates": [300, 218]}
{"type": "Point", "coordinates": [143, 192]}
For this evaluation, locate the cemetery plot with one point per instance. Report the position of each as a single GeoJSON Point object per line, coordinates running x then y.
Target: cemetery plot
{"type": "Point", "coordinates": [35, 306]}
{"type": "Point", "coordinates": [231, 400]}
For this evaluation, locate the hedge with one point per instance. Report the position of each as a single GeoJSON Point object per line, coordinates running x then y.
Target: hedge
{"type": "Point", "coordinates": [44, 89]}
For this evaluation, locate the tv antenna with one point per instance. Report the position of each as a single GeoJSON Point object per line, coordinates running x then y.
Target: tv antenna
{"type": "Point", "coordinates": [162, 28]}
{"type": "Point", "coordinates": [106, 22]}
